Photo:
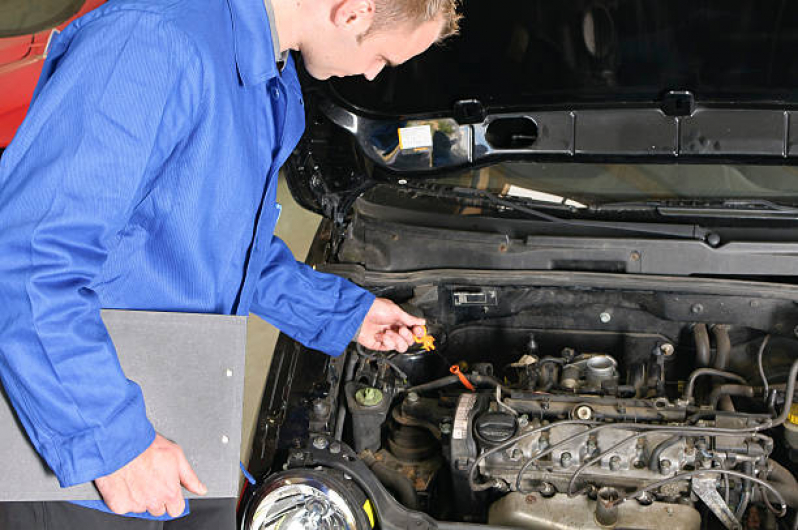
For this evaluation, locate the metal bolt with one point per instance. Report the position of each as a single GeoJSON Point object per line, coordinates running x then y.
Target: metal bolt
{"type": "Point", "coordinates": [615, 463]}
{"type": "Point", "coordinates": [665, 466]}
{"type": "Point", "coordinates": [605, 317]}
{"type": "Point", "coordinates": [297, 455]}
{"type": "Point", "coordinates": [523, 421]}
{"type": "Point", "coordinates": [645, 498]}
{"type": "Point", "coordinates": [666, 349]}
{"type": "Point", "coordinates": [412, 397]}
{"type": "Point", "coordinates": [402, 182]}
{"type": "Point", "coordinates": [225, 439]}
{"type": "Point", "coordinates": [229, 373]}
{"type": "Point", "coordinates": [320, 442]}
{"type": "Point", "coordinates": [335, 448]}
{"type": "Point", "coordinates": [583, 412]}
{"type": "Point", "coordinates": [446, 428]}
{"type": "Point", "coordinates": [543, 442]}
{"type": "Point", "coordinates": [547, 489]}
{"type": "Point", "coordinates": [635, 256]}
{"type": "Point", "coordinates": [320, 408]}
{"type": "Point", "coordinates": [697, 308]}
{"type": "Point", "coordinates": [565, 459]}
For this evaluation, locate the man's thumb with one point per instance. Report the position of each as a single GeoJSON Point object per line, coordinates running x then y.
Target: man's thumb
{"type": "Point", "coordinates": [189, 479]}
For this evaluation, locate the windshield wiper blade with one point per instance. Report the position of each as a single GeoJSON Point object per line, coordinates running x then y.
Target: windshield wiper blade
{"type": "Point", "coordinates": [684, 231]}
{"type": "Point", "coordinates": [748, 208]}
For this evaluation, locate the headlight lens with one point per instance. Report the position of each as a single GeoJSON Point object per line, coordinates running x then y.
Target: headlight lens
{"type": "Point", "coordinates": [308, 499]}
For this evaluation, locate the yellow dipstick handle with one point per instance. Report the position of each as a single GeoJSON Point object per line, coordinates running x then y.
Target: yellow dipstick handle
{"type": "Point", "coordinates": [427, 341]}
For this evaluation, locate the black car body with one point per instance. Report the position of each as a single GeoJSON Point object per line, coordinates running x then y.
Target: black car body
{"type": "Point", "coordinates": [594, 204]}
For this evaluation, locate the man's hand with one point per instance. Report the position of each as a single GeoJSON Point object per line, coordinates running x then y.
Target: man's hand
{"type": "Point", "coordinates": [386, 327]}
{"type": "Point", "coordinates": [151, 482]}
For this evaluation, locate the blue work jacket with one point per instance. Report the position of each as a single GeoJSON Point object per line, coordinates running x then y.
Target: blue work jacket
{"type": "Point", "coordinates": [144, 177]}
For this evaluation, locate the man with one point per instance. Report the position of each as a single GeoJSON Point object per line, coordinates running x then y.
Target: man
{"type": "Point", "coordinates": [144, 177]}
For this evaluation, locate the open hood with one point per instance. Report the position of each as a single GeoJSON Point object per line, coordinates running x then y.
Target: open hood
{"type": "Point", "coordinates": [653, 80]}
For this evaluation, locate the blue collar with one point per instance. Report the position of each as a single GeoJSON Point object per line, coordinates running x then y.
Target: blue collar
{"type": "Point", "coordinates": [253, 41]}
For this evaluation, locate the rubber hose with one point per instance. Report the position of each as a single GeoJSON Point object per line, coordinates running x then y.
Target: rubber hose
{"type": "Point", "coordinates": [784, 481]}
{"type": "Point", "coordinates": [396, 482]}
{"type": "Point", "coordinates": [729, 390]}
{"type": "Point", "coordinates": [474, 379]}
{"type": "Point", "coordinates": [653, 460]}
{"type": "Point", "coordinates": [722, 347]}
{"type": "Point", "coordinates": [703, 355]}
{"type": "Point", "coordinates": [688, 389]}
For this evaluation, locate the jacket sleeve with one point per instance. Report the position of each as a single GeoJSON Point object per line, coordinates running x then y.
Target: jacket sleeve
{"type": "Point", "coordinates": [322, 311]}
{"type": "Point", "coordinates": [107, 113]}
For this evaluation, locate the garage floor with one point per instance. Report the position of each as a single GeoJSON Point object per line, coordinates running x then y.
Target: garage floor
{"type": "Point", "coordinates": [296, 227]}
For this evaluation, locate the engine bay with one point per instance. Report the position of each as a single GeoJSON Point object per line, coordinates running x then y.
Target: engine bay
{"type": "Point", "coordinates": [560, 407]}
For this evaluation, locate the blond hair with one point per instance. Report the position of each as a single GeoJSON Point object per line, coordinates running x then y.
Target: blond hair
{"type": "Point", "coordinates": [392, 12]}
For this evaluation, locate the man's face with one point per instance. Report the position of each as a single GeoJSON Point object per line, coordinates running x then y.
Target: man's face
{"type": "Point", "coordinates": [339, 52]}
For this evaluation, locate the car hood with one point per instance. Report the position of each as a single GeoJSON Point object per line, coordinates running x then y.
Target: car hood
{"type": "Point", "coordinates": [581, 80]}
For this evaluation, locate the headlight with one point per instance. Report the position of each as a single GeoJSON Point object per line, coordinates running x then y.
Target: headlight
{"type": "Point", "coordinates": [302, 499]}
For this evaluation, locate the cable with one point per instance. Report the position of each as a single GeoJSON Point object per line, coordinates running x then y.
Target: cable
{"type": "Point", "coordinates": [509, 443]}
{"type": "Point", "coordinates": [653, 460]}
{"type": "Point", "coordinates": [598, 457]}
{"type": "Point", "coordinates": [759, 363]}
{"type": "Point", "coordinates": [688, 389]}
{"type": "Point", "coordinates": [689, 474]}
{"type": "Point", "coordinates": [380, 358]}
{"type": "Point", "coordinates": [681, 429]}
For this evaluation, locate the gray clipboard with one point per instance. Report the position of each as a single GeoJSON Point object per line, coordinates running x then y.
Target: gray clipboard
{"type": "Point", "coordinates": [191, 370]}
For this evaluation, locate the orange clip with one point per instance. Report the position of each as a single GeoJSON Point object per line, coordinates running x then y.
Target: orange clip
{"type": "Point", "coordinates": [427, 341]}
{"type": "Point", "coordinates": [456, 371]}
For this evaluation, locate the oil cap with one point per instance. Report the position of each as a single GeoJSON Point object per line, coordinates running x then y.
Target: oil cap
{"type": "Point", "coordinates": [494, 427]}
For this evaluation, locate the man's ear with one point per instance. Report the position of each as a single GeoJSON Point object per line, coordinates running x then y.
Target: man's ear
{"type": "Point", "coordinates": [354, 15]}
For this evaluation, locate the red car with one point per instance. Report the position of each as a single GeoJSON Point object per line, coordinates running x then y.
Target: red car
{"type": "Point", "coordinates": [25, 30]}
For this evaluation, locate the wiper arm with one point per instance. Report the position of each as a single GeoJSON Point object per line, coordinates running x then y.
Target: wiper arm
{"type": "Point", "coordinates": [662, 229]}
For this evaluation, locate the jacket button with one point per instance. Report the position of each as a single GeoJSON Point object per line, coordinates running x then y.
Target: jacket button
{"type": "Point", "coordinates": [276, 93]}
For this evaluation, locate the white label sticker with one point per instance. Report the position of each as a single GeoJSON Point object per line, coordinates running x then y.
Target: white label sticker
{"type": "Point", "coordinates": [415, 137]}
{"type": "Point", "coordinates": [464, 406]}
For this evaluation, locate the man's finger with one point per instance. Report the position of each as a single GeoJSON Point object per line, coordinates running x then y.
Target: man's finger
{"type": "Point", "coordinates": [418, 331]}
{"type": "Point", "coordinates": [387, 342]}
{"type": "Point", "coordinates": [189, 479]}
{"type": "Point", "coordinates": [407, 335]}
{"type": "Point", "coordinates": [176, 508]}
{"type": "Point", "coordinates": [396, 340]}
{"type": "Point", "coordinates": [409, 320]}
{"type": "Point", "coordinates": [156, 508]}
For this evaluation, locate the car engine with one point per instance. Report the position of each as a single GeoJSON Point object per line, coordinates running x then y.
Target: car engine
{"type": "Point", "coordinates": [548, 405]}
{"type": "Point", "coordinates": [602, 424]}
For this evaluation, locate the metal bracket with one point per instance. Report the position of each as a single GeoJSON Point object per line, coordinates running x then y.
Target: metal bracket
{"type": "Point", "coordinates": [391, 514]}
{"type": "Point", "coordinates": [706, 490]}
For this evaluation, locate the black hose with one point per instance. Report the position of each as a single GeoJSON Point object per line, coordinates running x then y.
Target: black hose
{"type": "Point", "coordinates": [784, 481]}
{"type": "Point", "coordinates": [474, 379]}
{"type": "Point", "coordinates": [788, 395]}
{"type": "Point", "coordinates": [722, 347]}
{"type": "Point", "coordinates": [653, 460]}
{"type": "Point", "coordinates": [729, 390]}
{"type": "Point", "coordinates": [703, 355]}
{"type": "Point", "coordinates": [398, 483]}
{"type": "Point", "coordinates": [762, 375]}
{"type": "Point", "coordinates": [690, 387]}
{"type": "Point", "coordinates": [349, 374]}
{"type": "Point", "coordinates": [745, 498]}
